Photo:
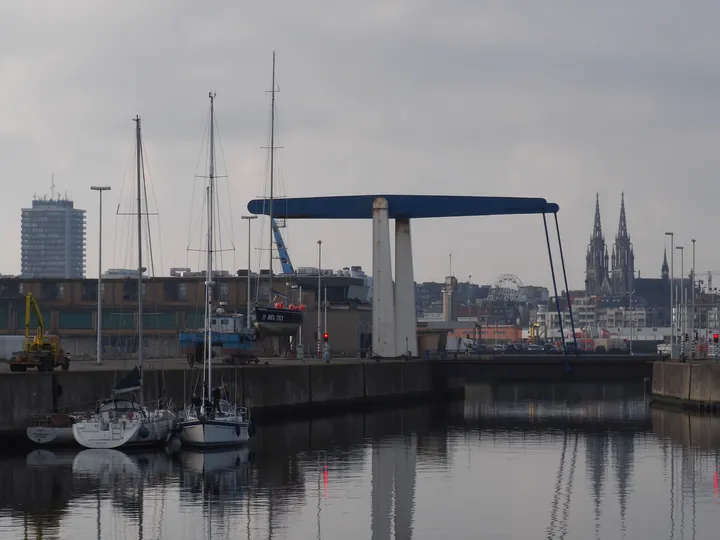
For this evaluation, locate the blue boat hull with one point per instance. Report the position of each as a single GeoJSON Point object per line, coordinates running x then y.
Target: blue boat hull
{"type": "Point", "coordinates": [230, 343]}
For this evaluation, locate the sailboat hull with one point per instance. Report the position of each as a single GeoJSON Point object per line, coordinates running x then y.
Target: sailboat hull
{"type": "Point", "coordinates": [51, 436]}
{"type": "Point", "coordinates": [278, 321]}
{"type": "Point", "coordinates": [214, 433]}
{"type": "Point", "coordinates": [123, 434]}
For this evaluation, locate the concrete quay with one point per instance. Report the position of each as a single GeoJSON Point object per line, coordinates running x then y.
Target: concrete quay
{"type": "Point", "coordinates": [693, 386]}
{"type": "Point", "coordinates": [266, 389]}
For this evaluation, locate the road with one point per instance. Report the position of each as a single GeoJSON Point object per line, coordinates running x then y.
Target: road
{"type": "Point", "coordinates": [179, 363]}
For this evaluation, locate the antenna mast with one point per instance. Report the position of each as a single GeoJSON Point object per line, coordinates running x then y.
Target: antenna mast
{"type": "Point", "coordinates": [52, 185]}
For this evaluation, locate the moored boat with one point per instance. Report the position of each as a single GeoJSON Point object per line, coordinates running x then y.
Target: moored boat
{"type": "Point", "coordinates": [122, 422]}
{"type": "Point", "coordinates": [215, 423]}
{"type": "Point", "coordinates": [53, 429]}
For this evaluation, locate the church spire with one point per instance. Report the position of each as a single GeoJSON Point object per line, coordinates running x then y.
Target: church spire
{"type": "Point", "coordinates": [597, 226]}
{"type": "Point", "coordinates": [622, 227]}
{"type": "Point", "coordinates": [665, 271]}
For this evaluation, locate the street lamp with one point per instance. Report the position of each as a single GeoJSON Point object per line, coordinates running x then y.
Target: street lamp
{"type": "Point", "coordinates": [672, 286]}
{"type": "Point", "coordinates": [100, 190]}
{"type": "Point", "coordinates": [692, 289]}
{"type": "Point", "coordinates": [682, 293]}
{"type": "Point", "coordinates": [247, 316]}
{"type": "Point", "coordinates": [319, 295]}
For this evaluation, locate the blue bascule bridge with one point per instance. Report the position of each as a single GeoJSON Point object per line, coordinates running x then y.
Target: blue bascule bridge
{"type": "Point", "coordinates": [394, 322]}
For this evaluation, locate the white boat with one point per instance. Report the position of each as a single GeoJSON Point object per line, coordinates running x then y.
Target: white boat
{"type": "Point", "coordinates": [209, 426]}
{"type": "Point", "coordinates": [215, 423]}
{"type": "Point", "coordinates": [122, 422]}
{"type": "Point", "coordinates": [53, 429]}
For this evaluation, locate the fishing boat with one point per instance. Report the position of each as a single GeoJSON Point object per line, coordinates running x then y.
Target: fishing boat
{"type": "Point", "coordinates": [53, 429]}
{"type": "Point", "coordinates": [275, 318]}
{"type": "Point", "coordinates": [233, 338]}
{"type": "Point", "coordinates": [123, 420]}
{"type": "Point", "coordinates": [212, 421]}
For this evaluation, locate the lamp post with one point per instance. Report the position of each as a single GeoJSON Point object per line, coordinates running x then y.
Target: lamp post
{"type": "Point", "coordinates": [672, 286]}
{"type": "Point", "coordinates": [100, 190]}
{"type": "Point", "coordinates": [249, 262]}
{"type": "Point", "coordinates": [319, 297]}
{"type": "Point", "coordinates": [682, 294]}
{"type": "Point", "coordinates": [692, 298]}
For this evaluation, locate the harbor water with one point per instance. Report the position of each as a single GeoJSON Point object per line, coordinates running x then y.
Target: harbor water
{"type": "Point", "coordinates": [508, 462]}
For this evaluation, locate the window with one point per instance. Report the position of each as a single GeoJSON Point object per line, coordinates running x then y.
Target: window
{"type": "Point", "coordinates": [130, 290]}
{"type": "Point", "coordinates": [88, 292]}
{"type": "Point", "coordinates": [224, 292]}
{"type": "Point", "coordinates": [182, 292]}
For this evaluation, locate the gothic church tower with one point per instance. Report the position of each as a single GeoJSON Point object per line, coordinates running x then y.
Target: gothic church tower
{"type": "Point", "coordinates": [596, 261]}
{"type": "Point", "coordinates": [623, 258]}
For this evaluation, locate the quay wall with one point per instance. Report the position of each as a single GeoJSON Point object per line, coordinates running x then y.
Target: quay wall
{"type": "Point", "coordinates": [262, 388]}
{"type": "Point", "coordinates": [691, 386]}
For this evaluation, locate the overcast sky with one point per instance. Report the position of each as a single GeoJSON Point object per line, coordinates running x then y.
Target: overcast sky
{"type": "Point", "coordinates": [553, 99]}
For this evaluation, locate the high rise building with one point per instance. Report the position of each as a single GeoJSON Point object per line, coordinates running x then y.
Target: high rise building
{"type": "Point", "coordinates": [52, 239]}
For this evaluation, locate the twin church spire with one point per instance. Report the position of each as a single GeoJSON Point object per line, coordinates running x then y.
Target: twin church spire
{"type": "Point", "coordinates": [614, 273]}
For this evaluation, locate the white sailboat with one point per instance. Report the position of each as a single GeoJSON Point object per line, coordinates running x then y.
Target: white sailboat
{"type": "Point", "coordinates": [212, 421]}
{"type": "Point", "coordinates": [124, 421]}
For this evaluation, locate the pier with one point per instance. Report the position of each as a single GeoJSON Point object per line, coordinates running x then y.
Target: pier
{"type": "Point", "coordinates": [279, 386]}
{"type": "Point", "coordinates": [694, 386]}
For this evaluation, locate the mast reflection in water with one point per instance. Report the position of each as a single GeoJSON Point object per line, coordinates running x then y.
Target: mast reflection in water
{"type": "Point", "coordinates": [554, 461]}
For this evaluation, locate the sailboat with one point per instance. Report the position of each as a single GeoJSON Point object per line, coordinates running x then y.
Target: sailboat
{"type": "Point", "coordinates": [123, 421]}
{"type": "Point", "coordinates": [275, 318]}
{"type": "Point", "coordinates": [212, 421]}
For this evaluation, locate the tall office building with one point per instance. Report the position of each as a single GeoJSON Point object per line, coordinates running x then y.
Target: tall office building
{"type": "Point", "coordinates": [53, 239]}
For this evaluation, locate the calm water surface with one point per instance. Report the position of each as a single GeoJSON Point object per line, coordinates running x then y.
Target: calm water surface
{"type": "Point", "coordinates": [510, 462]}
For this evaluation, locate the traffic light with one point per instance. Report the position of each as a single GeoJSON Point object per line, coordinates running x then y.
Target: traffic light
{"type": "Point", "coordinates": [325, 337]}
{"type": "Point", "coordinates": [715, 337]}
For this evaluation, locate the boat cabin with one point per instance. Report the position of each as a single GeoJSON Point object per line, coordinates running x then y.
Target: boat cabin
{"type": "Point", "coordinates": [120, 409]}
{"type": "Point", "coordinates": [227, 324]}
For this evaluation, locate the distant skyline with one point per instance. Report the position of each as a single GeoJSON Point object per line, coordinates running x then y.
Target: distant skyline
{"type": "Point", "coordinates": [402, 97]}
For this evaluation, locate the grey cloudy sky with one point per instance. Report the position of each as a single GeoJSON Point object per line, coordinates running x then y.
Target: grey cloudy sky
{"type": "Point", "coordinates": [554, 99]}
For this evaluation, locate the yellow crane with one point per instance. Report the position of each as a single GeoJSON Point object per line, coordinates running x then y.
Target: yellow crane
{"type": "Point", "coordinates": [41, 350]}
{"type": "Point", "coordinates": [537, 333]}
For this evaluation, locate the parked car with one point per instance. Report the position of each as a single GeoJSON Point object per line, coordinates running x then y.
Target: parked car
{"type": "Point", "coordinates": [533, 347]}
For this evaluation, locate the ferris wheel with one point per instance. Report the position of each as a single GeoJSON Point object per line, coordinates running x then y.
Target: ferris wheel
{"type": "Point", "coordinates": [506, 287]}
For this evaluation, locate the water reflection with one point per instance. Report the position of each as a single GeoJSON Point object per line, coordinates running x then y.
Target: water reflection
{"type": "Point", "coordinates": [589, 461]}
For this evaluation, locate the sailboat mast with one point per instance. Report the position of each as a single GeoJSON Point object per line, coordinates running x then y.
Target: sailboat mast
{"type": "Point", "coordinates": [138, 151]}
{"type": "Point", "coordinates": [211, 219]}
{"type": "Point", "coordinates": [272, 176]}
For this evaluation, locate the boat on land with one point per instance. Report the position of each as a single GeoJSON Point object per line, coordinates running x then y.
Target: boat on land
{"type": "Point", "coordinates": [275, 318]}
{"type": "Point", "coordinates": [123, 420]}
{"type": "Point", "coordinates": [212, 420]}
{"type": "Point", "coordinates": [233, 338]}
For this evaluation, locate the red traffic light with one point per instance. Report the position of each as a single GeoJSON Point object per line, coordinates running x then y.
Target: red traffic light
{"type": "Point", "coordinates": [325, 337]}
{"type": "Point", "coordinates": [715, 337]}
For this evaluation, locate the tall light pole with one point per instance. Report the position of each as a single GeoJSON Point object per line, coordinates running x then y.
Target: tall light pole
{"type": "Point", "coordinates": [682, 293]}
{"type": "Point", "coordinates": [672, 286]}
{"type": "Point", "coordinates": [247, 316]}
{"type": "Point", "coordinates": [100, 190]}
{"type": "Point", "coordinates": [319, 298]}
{"type": "Point", "coordinates": [692, 298]}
